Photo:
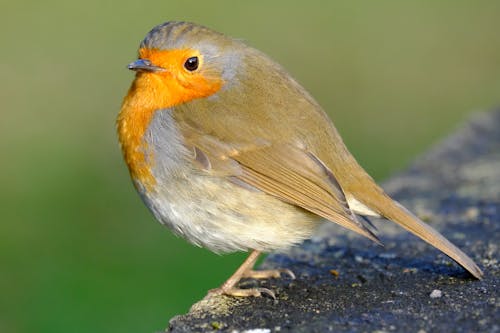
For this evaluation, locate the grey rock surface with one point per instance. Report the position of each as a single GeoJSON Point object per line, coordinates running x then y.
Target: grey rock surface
{"type": "Point", "coordinates": [347, 284]}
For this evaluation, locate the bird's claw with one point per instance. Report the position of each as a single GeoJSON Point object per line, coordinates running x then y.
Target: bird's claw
{"type": "Point", "coordinates": [269, 273]}
{"type": "Point", "coordinates": [237, 292]}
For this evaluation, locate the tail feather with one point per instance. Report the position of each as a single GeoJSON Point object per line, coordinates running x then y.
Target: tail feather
{"type": "Point", "coordinates": [395, 212]}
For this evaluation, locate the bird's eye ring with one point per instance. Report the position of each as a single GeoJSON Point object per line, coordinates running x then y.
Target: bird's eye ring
{"type": "Point", "coordinates": [191, 64]}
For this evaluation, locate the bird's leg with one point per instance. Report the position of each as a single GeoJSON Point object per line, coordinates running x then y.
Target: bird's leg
{"type": "Point", "coordinates": [229, 287]}
{"type": "Point", "coordinates": [246, 270]}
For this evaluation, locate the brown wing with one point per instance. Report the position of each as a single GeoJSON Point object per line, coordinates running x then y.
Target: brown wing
{"type": "Point", "coordinates": [298, 177]}
{"type": "Point", "coordinates": [284, 171]}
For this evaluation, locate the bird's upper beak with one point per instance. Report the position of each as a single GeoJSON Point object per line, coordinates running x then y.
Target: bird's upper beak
{"type": "Point", "coordinates": [144, 65]}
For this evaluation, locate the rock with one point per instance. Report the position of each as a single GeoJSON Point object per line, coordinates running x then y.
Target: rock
{"type": "Point", "coordinates": [436, 293]}
{"type": "Point", "coordinates": [346, 283]}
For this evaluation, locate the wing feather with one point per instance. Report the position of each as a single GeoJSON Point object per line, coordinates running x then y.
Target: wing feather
{"type": "Point", "coordinates": [292, 175]}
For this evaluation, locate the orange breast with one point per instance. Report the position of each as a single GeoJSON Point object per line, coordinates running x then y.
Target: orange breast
{"type": "Point", "coordinates": [136, 113]}
{"type": "Point", "coordinates": [151, 92]}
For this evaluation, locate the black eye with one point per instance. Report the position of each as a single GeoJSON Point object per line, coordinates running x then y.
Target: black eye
{"type": "Point", "coordinates": [191, 64]}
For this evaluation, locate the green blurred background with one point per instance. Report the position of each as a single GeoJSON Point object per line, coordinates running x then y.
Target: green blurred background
{"type": "Point", "coordinates": [78, 250]}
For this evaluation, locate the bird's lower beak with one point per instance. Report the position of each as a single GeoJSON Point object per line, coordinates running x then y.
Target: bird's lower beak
{"type": "Point", "coordinates": [144, 65]}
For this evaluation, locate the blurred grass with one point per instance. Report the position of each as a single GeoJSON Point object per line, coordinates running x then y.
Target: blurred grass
{"type": "Point", "coordinates": [78, 251]}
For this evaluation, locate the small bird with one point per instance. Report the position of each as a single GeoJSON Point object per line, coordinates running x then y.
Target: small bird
{"type": "Point", "coordinates": [230, 152]}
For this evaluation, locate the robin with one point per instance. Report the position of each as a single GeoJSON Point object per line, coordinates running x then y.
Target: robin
{"type": "Point", "coordinates": [230, 152]}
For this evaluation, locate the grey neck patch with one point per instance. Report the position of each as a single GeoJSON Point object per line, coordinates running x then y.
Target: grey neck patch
{"type": "Point", "coordinates": [165, 143]}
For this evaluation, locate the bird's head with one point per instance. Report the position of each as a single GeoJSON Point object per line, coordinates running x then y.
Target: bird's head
{"type": "Point", "coordinates": [180, 61]}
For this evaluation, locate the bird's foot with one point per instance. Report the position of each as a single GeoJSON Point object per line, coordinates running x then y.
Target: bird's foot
{"type": "Point", "coordinates": [237, 292]}
{"type": "Point", "coordinates": [245, 271]}
{"type": "Point", "coordinates": [253, 292]}
{"type": "Point", "coordinates": [268, 273]}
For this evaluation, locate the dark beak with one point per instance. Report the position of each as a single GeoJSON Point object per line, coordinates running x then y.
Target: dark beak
{"type": "Point", "coordinates": [144, 65]}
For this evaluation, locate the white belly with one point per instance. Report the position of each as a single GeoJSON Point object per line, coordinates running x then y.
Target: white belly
{"type": "Point", "coordinates": [224, 217]}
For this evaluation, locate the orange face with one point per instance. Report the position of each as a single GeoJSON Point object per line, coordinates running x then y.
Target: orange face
{"type": "Point", "coordinates": [178, 82]}
{"type": "Point", "coordinates": [175, 77]}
